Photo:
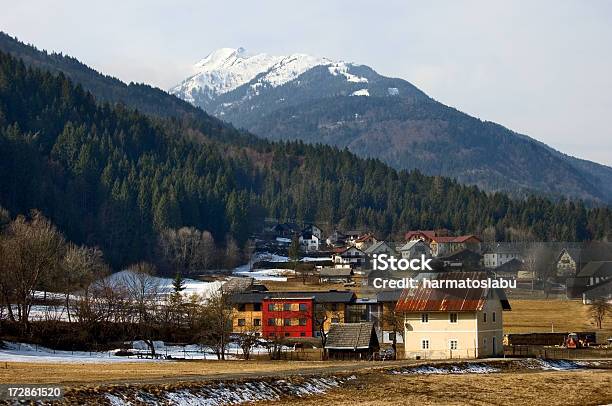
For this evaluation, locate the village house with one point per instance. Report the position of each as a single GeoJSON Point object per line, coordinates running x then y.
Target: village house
{"type": "Point", "coordinates": [500, 254]}
{"type": "Point", "coordinates": [414, 249]}
{"type": "Point", "coordinates": [425, 235]}
{"type": "Point", "coordinates": [351, 257]}
{"type": "Point", "coordinates": [364, 241]}
{"type": "Point", "coordinates": [453, 323]}
{"type": "Point", "coordinates": [567, 262]}
{"type": "Point", "coordinates": [336, 239]}
{"type": "Point", "coordinates": [287, 316]}
{"type": "Point", "coordinates": [380, 247]}
{"type": "Point", "coordinates": [309, 241]}
{"type": "Point", "coordinates": [336, 275]}
{"type": "Point", "coordinates": [314, 230]}
{"type": "Point", "coordinates": [441, 246]}
{"type": "Point", "coordinates": [252, 312]}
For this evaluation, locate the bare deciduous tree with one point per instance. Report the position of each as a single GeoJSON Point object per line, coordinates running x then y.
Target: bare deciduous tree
{"type": "Point", "coordinates": [144, 291]}
{"type": "Point", "coordinates": [31, 249]}
{"type": "Point", "coordinates": [599, 309]}
{"type": "Point", "coordinates": [216, 323]}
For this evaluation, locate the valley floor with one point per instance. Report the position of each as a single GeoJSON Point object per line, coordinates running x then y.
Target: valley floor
{"type": "Point", "coordinates": [581, 387]}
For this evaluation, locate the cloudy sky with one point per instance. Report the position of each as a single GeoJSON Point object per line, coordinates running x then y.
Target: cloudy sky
{"type": "Point", "coordinates": [541, 68]}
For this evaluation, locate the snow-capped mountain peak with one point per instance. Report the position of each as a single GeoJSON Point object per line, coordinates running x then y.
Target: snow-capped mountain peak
{"type": "Point", "coordinates": [226, 69]}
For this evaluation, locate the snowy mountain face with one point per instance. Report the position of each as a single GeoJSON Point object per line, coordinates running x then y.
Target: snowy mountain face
{"type": "Point", "coordinates": [228, 77]}
{"type": "Point", "coordinates": [227, 69]}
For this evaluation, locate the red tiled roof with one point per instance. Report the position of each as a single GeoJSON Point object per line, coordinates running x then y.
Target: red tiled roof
{"type": "Point", "coordinates": [444, 300]}
{"type": "Point", "coordinates": [427, 233]}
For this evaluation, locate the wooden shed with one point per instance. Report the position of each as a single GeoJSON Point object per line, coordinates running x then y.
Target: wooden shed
{"type": "Point", "coordinates": [352, 341]}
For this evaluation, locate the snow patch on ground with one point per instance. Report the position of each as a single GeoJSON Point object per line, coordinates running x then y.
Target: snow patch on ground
{"type": "Point", "coordinates": [466, 368]}
{"type": "Point", "coordinates": [342, 68]}
{"type": "Point", "coordinates": [227, 392]}
{"type": "Point", "coordinates": [361, 92]}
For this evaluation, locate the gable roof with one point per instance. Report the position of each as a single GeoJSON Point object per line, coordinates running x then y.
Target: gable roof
{"type": "Point", "coordinates": [448, 299]}
{"type": "Point", "coordinates": [329, 296]}
{"type": "Point", "coordinates": [410, 244]}
{"type": "Point", "coordinates": [458, 239]}
{"type": "Point", "coordinates": [388, 295]}
{"type": "Point", "coordinates": [512, 266]}
{"type": "Point", "coordinates": [376, 246]}
{"type": "Point", "coordinates": [351, 336]}
{"type": "Point", "coordinates": [597, 268]}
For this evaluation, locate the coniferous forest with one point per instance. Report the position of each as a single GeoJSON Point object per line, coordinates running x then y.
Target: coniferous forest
{"type": "Point", "coordinates": [112, 177]}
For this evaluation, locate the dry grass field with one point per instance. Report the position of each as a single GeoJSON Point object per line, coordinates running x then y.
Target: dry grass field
{"type": "Point", "coordinates": [519, 388]}
{"type": "Point", "coordinates": [76, 374]}
{"type": "Point", "coordinates": [530, 316]}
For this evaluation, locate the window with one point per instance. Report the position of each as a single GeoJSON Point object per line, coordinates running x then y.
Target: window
{"type": "Point", "coordinates": [257, 307]}
{"type": "Point", "coordinates": [484, 343]}
{"type": "Point", "coordinates": [391, 336]}
{"type": "Point", "coordinates": [493, 315]}
{"type": "Point", "coordinates": [287, 307]}
{"type": "Point", "coordinates": [425, 344]}
{"type": "Point", "coordinates": [453, 344]}
{"type": "Point", "coordinates": [424, 318]}
{"type": "Point", "coordinates": [242, 307]}
{"type": "Point", "coordinates": [453, 317]}
{"type": "Point", "coordinates": [257, 322]}
{"type": "Point", "coordinates": [334, 307]}
{"type": "Point", "coordinates": [484, 317]}
{"type": "Point", "coordinates": [303, 307]}
{"type": "Point", "coordinates": [271, 307]}
{"type": "Point", "coordinates": [303, 322]}
{"type": "Point", "coordinates": [335, 320]}
{"type": "Point", "coordinates": [241, 322]}
{"type": "Point", "coordinates": [287, 322]}
{"type": "Point", "coordinates": [271, 322]}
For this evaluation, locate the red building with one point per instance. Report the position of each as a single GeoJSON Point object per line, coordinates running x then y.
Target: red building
{"type": "Point", "coordinates": [287, 317]}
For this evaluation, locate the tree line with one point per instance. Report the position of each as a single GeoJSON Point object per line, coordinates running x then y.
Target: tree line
{"type": "Point", "coordinates": [111, 177]}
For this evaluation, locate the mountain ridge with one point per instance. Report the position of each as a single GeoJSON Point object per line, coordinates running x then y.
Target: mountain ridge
{"type": "Point", "coordinates": [402, 126]}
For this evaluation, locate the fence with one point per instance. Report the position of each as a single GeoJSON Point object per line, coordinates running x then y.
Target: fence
{"type": "Point", "coordinates": [537, 351]}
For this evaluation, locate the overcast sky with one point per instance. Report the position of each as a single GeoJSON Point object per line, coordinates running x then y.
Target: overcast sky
{"type": "Point", "coordinates": [542, 68]}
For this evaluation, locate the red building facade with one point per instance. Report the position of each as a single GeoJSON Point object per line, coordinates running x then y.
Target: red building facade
{"type": "Point", "coordinates": [288, 317]}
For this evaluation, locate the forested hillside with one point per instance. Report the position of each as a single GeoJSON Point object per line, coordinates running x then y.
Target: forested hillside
{"type": "Point", "coordinates": [110, 176]}
{"type": "Point", "coordinates": [352, 106]}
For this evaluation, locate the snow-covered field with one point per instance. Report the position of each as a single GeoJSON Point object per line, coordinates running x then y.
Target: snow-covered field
{"type": "Point", "coordinates": [164, 285]}
{"type": "Point", "coordinates": [274, 274]}
{"type": "Point", "coordinates": [22, 352]}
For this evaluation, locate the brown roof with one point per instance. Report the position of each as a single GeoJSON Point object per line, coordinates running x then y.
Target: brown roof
{"type": "Point", "coordinates": [351, 336]}
{"type": "Point", "coordinates": [448, 299]}
{"type": "Point", "coordinates": [459, 239]}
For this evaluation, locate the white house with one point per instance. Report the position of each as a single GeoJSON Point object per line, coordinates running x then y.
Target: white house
{"type": "Point", "coordinates": [500, 254]}
{"type": "Point", "coordinates": [414, 249]}
{"type": "Point", "coordinates": [310, 241]}
{"type": "Point", "coordinates": [447, 322]}
{"type": "Point", "coordinates": [349, 258]}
